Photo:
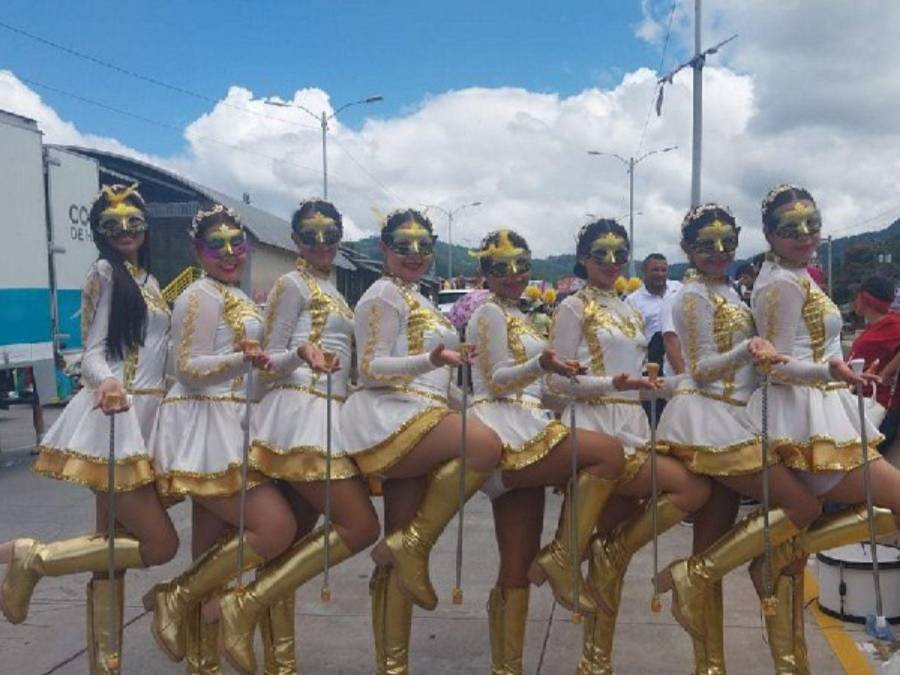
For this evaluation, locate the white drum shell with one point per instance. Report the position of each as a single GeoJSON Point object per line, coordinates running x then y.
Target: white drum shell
{"type": "Point", "coordinates": [852, 564]}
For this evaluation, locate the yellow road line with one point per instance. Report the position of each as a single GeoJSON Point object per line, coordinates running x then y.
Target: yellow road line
{"type": "Point", "coordinates": [842, 643]}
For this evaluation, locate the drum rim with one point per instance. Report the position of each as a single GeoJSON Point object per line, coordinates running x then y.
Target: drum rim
{"type": "Point", "coordinates": [852, 618]}
{"type": "Point", "coordinates": [850, 565]}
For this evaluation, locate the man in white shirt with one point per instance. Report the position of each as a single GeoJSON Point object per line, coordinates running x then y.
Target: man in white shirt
{"type": "Point", "coordinates": [649, 300]}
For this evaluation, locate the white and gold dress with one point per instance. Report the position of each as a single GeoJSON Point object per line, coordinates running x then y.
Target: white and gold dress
{"type": "Point", "coordinates": [598, 329]}
{"type": "Point", "coordinates": [506, 384]}
{"type": "Point", "coordinates": [76, 447]}
{"type": "Point", "coordinates": [198, 442]}
{"type": "Point", "coordinates": [289, 424]}
{"type": "Point", "coordinates": [403, 395]}
{"type": "Point", "coordinates": [813, 421]}
{"type": "Point", "coordinates": [706, 424]}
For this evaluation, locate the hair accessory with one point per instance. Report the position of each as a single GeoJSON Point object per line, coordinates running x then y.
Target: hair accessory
{"type": "Point", "coordinates": [216, 208]}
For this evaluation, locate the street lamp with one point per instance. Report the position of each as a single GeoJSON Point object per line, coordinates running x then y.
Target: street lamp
{"type": "Point", "coordinates": [324, 118]}
{"type": "Point", "coordinates": [630, 163]}
{"type": "Point", "coordinates": [450, 213]}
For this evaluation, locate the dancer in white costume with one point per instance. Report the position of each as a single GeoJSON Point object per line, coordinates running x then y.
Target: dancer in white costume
{"type": "Point", "coordinates": [537, 452]}
{"type": "Point", "coordinates": [125, 331]}
{"type": "Point", "coordinates": [290, 439]}
{"type": "Point", "coordinates": [813, 417]}
{"type": "Point", "coordinates": [398, 426]}
{"type": "Point", "coordinates": [597, 328]}
{"type": "Point", "coordinates": [198, 443]}
{"type": "Point", "coordinates": [707, 424]}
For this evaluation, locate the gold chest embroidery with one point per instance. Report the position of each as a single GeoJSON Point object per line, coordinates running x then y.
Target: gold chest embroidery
{"type": "Point", "coordinates": [421, 319]}
{"type": "Point", "coordinates": [816, 307]}
{"type": "Point", "coordinates": [599, 317]}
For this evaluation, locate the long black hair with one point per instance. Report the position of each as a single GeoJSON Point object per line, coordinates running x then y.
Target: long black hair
{"type": "Point", "coordinates": [128, 315]}
{"type": "Point", "coordinates": [588, 235]}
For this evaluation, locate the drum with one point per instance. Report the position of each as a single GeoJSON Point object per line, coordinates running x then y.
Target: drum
{"type": "Point", "coordinates": [846, 585]}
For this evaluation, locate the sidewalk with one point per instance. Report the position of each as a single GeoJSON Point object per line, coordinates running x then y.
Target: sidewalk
{"type": "Point", "coordinates": [336, 637]}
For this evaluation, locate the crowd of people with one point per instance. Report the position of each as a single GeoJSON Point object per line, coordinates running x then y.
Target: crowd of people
{"type": "Point", "coordinates": [265, 428]}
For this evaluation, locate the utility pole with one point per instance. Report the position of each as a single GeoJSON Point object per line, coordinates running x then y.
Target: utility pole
{"type": "Point", "coordinates": [450, 213]}
{"type": "Point", "coordinates": [697, 148]}
{"type": "Point", "coordinates": [696, 63]}
{"type": "Point", "coordinates": [630, 163]}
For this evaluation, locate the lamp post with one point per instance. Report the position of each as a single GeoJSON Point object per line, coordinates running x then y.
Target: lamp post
{"type": "Point", "coordinates": [450, 213]}
{"type": "Point", "coordinates": [323, 119]}
{"type": "Point", "coordinates": [630, 163]}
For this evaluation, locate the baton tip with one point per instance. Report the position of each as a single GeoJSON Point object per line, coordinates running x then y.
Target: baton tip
{"type": "Point", "coordinates": [112, 662]}
{"type": "Point", "coordinates": [770, 605]}
{"type": "Point", "coordinates": [325, 595]}
{"type": "Point", "coordinates": [656, 604]}
{"type": "Point", "coordinates": [576, 617]}
{"type": "Point", "coordinates": [457, 596]}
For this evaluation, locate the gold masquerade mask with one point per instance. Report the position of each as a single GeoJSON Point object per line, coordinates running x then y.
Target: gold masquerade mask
{"type": "Point", "coordinates": [412, 238]}
{"type": "Point", "coordinates": [504, 258]}
{"type": "Point", "coordinates": [801, 220]}
{"type": "Point", "coordinates": [716, 237]}
{"type": "Point", "coordinates": [119, 217]}
{"type": "Point", "coordinates": [224, 241]}
{"type": "Point", "coordinates": [319, 230]}
{"type": "Point", "coordinates": [610, 248]}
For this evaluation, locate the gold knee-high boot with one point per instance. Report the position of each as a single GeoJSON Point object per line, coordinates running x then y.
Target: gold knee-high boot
{"type": "Point", "coordinates": [507, 617]}
{"type": "Point", "coordinates": [172, 600]}
{"type": "Point", "coordinates": [709, 652]}
{"type": "Point", "coordinates": [609, 561]}
{"type": "Point", "coordinates": [830, 530]}
{"type": "Point", "coordinates": [784, 629]}
{"type": "Point", "coordinates": [693, 578]}
{"type": "Point", "coordinates": [201, 644]}
{"type": "Point", "coordinates": [276, 626]}
{"type": "Point", "coordinates": [411, 545]}
{"type": "Point", "coordinates": [391, 623]}
{"type": "Point", "coordinates": [556, 558]}
{"type": "Point", "coordinates": [104, 649]}
{"type": "Point", "coordinates": [32, 560]}
{"type": "Point", "coordinates": [240, 609]}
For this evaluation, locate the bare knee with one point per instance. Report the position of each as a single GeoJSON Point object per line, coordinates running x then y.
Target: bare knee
{"type": "Point", "coordinates": [695, 493]}
{"type": "Point", "coordinates": [608, 460]}
{"type": "Point", "coordinates": [363, 533]}
{"type": "Point", "coordinates": [160, 550]}
{"type": "Point", "coordinates": [804, 511]}
{"type": "Point", "coordinates": [275, 536]}
{"type": "Point", "coordinates": [484, 449]}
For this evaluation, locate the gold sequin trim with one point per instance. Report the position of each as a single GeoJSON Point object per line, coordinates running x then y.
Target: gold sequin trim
{"type": "Point", "coordinates": [531, 405]}
{"type": "Point", "coordinates": [395, 447]}
{"type": "Point", "coordinates": [226, 398]}
{"type": "Point", "coordinates": [89, 298]}
{"type": "Point", "coordinates": [816, 307]}
{"type": "Point", "coordinates": [420, 320]}
{"type": "Point", "coordinates": [737, 459]}
{"type": "Point", "coordinates": [633, 464]}
{"type": "Point", "coordinates": [300, 464]}
{"type": "Point", "coordinates": [83, 469]}
{"type": "Point", "coordinates": [368, 353]}
{"type": "Point", "coordinates": [711, 395]}
{"type": "Point", "coordinates": [309, 390]}
{"type": "Point", "coordinates": [187, 337]}
{"type": "Point", "coordinates": [823, 453]}
{"type": "Point", "coordinates": [272, 310]}
{"type": "Point", "coordinates": [321, 306]}
{"type": "Point", "coordinates": [484, 359]}
{"type": "Point", "coordinates": [534, 449]}
{"type": "Point", "coordinates": [147, 392]}
{"type": "Point", "coordinates": [215, 484]}
{"type": "Point", "coordinates": [609, 400]}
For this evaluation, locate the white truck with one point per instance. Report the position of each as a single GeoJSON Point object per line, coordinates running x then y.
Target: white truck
{"type": "Point", "coordinates": [45, 248]}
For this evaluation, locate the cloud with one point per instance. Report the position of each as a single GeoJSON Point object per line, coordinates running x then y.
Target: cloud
{"type": "Point", "coordinates": [803, 96]}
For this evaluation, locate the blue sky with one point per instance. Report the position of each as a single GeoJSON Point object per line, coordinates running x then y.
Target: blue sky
{"type": "Point", "coordinates": [403, 50]}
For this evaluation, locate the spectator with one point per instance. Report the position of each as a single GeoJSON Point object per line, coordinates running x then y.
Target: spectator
{"type": "Point", "coordinates": [745, 276]}
{"type": "Point", "coordinates": [649, 300]}
{"type": "Point", "coordinates": [880, 341]}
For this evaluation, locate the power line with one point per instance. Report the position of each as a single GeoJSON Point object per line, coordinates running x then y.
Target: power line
{"type": "Point", "coordinates": [877, 216]}
{"type": "Point", "coordinates": [145, 78]}
{"type": "Point", "coordinates": [172, 127]}
{"type": "Point", "coordinates": [662, 59]}
{"type": "Point", "coordinates": [388, 191]}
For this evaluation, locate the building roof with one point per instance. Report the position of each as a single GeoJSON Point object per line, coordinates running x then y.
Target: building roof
{"type": "Point", "coordinates": [264, 226]}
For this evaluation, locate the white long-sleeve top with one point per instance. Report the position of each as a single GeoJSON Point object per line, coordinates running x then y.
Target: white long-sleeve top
{"type": "Point", "coordinates": [209, 322]}
{"type": "Point", "coordinates": [601, 331]}
{"type": "Point", "coordinates": [509, 350]}
{"type": "Point", "coordinates": [793, 313]}
{"type": "Point", "coordinates": [396, 328]}
{"type": "Point", "coordinates": [305, 307]}
{"type": "Point", "coordinates": [715, 328]}
{"type": "Point", "coordinates": [142, 370]}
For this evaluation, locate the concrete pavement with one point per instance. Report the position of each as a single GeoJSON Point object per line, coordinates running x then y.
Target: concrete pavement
{"type": "Point", "coordinates": [336, 637]}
